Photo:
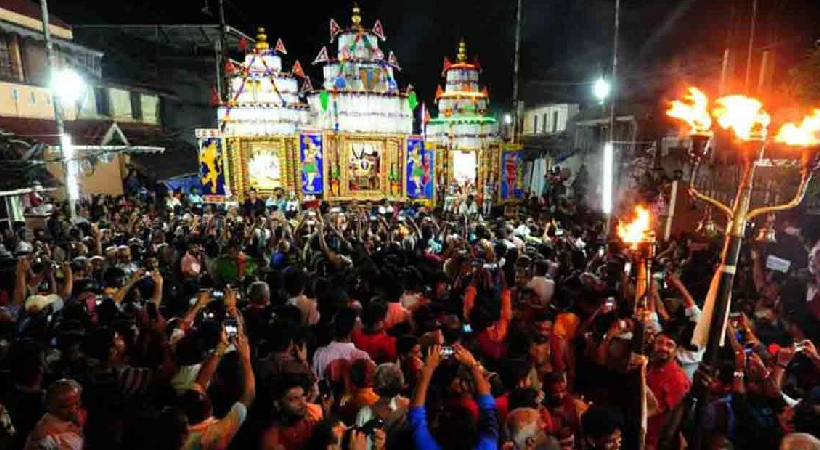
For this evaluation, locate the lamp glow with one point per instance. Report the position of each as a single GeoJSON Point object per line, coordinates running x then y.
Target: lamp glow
{"type": "Point", "coordinates": [601, 89]}
{"type": "Point", "coordinates": [606, 201]}
{"type": "Point", "coordinates": [507, 119]}
{"type": "Point", "coordinates": [67, 148]}
{"type": "Point", "coordinates": [68, 86]}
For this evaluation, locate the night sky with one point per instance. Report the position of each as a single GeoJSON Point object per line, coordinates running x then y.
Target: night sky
{"type": "Point", "coordinates": [565, 44]}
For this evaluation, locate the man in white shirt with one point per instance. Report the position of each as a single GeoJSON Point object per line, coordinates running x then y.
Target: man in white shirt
{"type": "Point", "coordinates": [336, 356]}
{"type": "Point", "coordinates": [469, 207]}
{"type": "Point", "coordinates": [543, 286]}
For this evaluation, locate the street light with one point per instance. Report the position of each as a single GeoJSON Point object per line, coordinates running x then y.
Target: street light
{"type": "Point", "coordinates": [601, 90]}
{"type": "Point", "coordinates": [68, 86]}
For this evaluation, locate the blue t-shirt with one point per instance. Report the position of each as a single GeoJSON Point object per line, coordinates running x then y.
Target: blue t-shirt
{"type": "Point", "coordinates": [487, 426]}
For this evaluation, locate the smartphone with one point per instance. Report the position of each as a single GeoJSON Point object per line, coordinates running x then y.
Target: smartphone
{"type": "Point", "coordinates": [628, 267]}
{"type": "Point", "coordinates": [231, 327]}
{"type": "Point", "coordinates": [601, 252]}
{"type": "Point", "coordinates": [447, 351]}
{"type": "Point", "coordinates": [799, 346]}
{"type": "Point", "coordinates": [658, 276]}
{"type": "Point", "coordinates": [217, 294]}
{"type": "Point", "coordinates": [370, 426]}
{"type": "Point", "coordinates": [467, 328]}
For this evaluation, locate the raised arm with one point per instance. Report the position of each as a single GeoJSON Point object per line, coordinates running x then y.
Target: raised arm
{"type": "Point", "coordinates": [249, 385]}
{"type": "Point", "coordinates": [430, 364]}
{"type": "Point", "coordinates": [757, 271]}
{"type": "Point", "coordinates": [20, 288]}
{"type": "Point", "coordinates": [68, 280]}
{"type": "Point", "coordinates": [208, 369]}
{"type": "Point", "coordinates": [119, 296]}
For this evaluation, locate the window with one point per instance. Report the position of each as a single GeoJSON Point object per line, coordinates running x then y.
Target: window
{"type": "Point", "coordinates": [119, 101]}
{"type": "Point", "coordinates": [555, 121]}
{"type": "Point", "coordinates": [136, 106]}
{"type": "Point", "coordinates": [6, 66]}
{"type": "Point", "coordinates": [534, 124]}
{"type": "Point", "coordinates": [32, 96]}
{"type": "Point", "coordinates": [101, 100]}
{"type": "Point", "coordinates": [150, 109]}
{"type": "Point", "coordinates": [15, 94]}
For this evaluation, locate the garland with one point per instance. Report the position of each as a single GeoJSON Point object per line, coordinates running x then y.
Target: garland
{"type": "Point", "coordinates": [461, 136]}
{"type": "Point", "coordinates": [372, 114]}
{"type": "Point", "coordinates": [297, 106]}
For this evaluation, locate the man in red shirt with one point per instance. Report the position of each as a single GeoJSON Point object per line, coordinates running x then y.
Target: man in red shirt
{"type": "Point", "coordinates": [374, 340]}
{"type": "Point", "coordinates": [668, 383]}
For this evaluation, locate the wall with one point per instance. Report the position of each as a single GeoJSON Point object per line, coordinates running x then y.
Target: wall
{"type": "Point", "coordinates": [21, 100]}
{"type": "Point", "coordinates": [564, 111]}
{"type": "Point", "coordinates": [106, 179]}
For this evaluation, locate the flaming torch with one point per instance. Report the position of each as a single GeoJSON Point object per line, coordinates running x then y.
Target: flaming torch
{"type": "Point", "coordinates": [746, 118]}
{"type": "Point", "coordinates": [640, 237]}
{"type": "Point", "coordinates": [694, 111]}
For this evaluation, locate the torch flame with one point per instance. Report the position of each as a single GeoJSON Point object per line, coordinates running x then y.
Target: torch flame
{"type": "Point", "coordinates": [743, 115]}
{"type": "Point", "coordinates": [694, 111]}
{"type": "Point", "coordinates": [804, 135]}
{"type": "Point", "coordinates": [635, 231]}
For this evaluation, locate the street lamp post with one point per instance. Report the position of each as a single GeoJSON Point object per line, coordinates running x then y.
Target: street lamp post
{"type": "Point", "coordinates": [66, 86]}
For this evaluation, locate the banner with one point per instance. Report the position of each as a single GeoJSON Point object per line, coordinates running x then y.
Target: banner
{"type": "Point", "coordinates": [512, 175]}
{"type": "Point", "coordinates": [420, 172]}
{"type": "Point", "coordinates": [310, 161]}
{"type": "Point", "coordinates": [211, 171]}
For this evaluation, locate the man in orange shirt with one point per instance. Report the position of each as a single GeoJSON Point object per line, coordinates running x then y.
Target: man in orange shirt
{"type": "Point", "coordinates": [491, 335]}
{"type": "Point", "coordinates": [294, 418]}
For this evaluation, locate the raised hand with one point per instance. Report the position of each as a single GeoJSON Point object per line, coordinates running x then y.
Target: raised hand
{"type": "Point", "coordinates": [434, 357]}
{"type": "Point", "coordinates": [464, 356]}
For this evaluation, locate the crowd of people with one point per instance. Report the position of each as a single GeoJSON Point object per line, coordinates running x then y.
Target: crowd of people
{"type": "Point", "coordinates": [175, 324]}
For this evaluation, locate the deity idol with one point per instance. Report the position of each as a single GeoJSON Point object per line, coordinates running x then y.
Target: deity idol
{"type": "Point", "coordinates": [310, 166]}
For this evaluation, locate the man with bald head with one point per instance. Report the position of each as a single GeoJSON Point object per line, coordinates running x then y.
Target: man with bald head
{"type": "Point", "coordinates": [61, 427]}
{"type": "Point", "coordinates": [525, 429]}
{"type": "Point", "coordinates": [799, 441]}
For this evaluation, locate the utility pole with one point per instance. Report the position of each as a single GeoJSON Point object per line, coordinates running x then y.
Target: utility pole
{"type": "Point", "coordinates": [613, 83]}
{"type": "Point", "coordinates": [751, 46]}
{"type": "Point", "coordinates": [613, 89]}
{"type": "Point", "coordinates": [516, 62]}
{"type": "Point", "coordinates": [58, 114]}
{"type": "Point", "coordinates": [223, 43]}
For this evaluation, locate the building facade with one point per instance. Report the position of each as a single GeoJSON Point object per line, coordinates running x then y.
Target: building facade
{"type": "Point", "coordinates": [547, 119]}
{"type": "Point", "coordinates": [106, 125]}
